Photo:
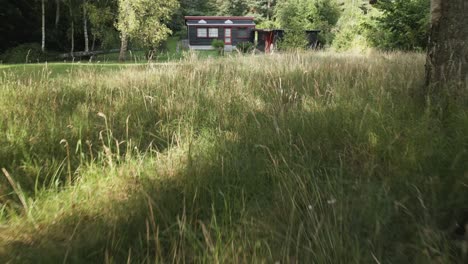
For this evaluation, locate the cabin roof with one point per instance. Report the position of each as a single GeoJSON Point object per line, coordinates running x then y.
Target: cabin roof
{"type": "Point", "coordinates": [226, 21]}
{"type": "Point", "coordinates": [282, 30]}
{"type": "Point", "coordinates": [218, 18]}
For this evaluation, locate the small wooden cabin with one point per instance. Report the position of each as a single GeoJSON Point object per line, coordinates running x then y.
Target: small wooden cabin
{"type": "Point", "coordinates": [202, 30]}
{"type": "Point", "coordinates": [267, 39]}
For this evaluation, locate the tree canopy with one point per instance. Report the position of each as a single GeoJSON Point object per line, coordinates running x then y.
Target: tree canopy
{"type": "Point", "coordinates": [387, 25]}
{"type": "Point", "coordinates": [400, 24]}
{"type": "Point", "coordinates": [145, 20]}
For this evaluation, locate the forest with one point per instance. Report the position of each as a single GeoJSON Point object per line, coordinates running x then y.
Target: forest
{"type": "Point", "coordinates": [354, 150]}
{"type": "Point", "coordinates": [59, 26]}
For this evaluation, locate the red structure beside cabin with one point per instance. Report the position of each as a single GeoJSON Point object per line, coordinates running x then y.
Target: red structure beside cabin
{"type": "Point", "coordinates": [268, 39]}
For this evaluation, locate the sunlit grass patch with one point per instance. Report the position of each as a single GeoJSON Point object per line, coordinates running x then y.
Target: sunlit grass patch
{"type": "Point", "coordinates": [307, 157]}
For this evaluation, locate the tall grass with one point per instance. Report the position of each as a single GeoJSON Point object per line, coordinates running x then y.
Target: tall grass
{"type": "Point", "coordinates": [290, 158]}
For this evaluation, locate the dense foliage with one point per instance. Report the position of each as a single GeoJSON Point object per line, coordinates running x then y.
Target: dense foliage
{"type": "Point", "coordinates": [402, 24]}
{"type": "Point", "coordinates": [245, 46]}
{"type": "Point", "coordinates": [218, 45]}
{"type": "Point", "coordinates": [388, 25]}
{"type": "Point", "coordinates": [145, 20]}
{"type": "Point", "coordinates": [24, 53]}
{"type": "Point", "coordinates": [299, 15]}
{"type": "Point", "coordinates": [350, 31]}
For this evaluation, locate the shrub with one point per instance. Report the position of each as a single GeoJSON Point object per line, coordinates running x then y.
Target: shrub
{"type": "Point", "coordinates": [182, 34]}
{"type": "Point", "coordinates": [268, 24]}
{"type": "Point", "coordinates": [110, 40]}
{"type": "Point", "coordinates": [350, 29]}
{"type": "Point", "coordinates": [218, 45]}
{"type": "Point", "coordinates": [293, 40]}
{"type": "Point", "coordinates": [245, 47]}
{"type": "Point", "coordinates": [24, 53]}
{"type": "Point", "coordinates": [399, 24]}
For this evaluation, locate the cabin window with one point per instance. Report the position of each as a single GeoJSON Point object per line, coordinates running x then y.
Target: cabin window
{"type": "Point", "coordinates": [202, 33]}
{"type": "Point", "coordinates": [243, 33]}
{"type": "Point", "coordinates": [213, 33]}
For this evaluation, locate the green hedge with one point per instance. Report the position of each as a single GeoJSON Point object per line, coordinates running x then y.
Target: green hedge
{"type": "Point", "coordinates": [24, 53]}
{"type": "Point", "coordinates": [245, 47]}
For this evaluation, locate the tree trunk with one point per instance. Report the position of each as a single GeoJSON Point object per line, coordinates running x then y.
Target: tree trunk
{"type": "Point", "coordinates": [72, 28]}
{"type": "Point", "coordinates": [268, 9]}
{"type": "Point", "coordinates": [85, 27]}
{"type": "Point", "coordinates": [123, 46]}
{"type": "Point", "coordinates": [72, 37]}
{"type": "Point", "coordinates": [57, 13]}
{"type": "Point", "coordinates": [447, 55]}
{"type": "Point", "coordinates": [94, 42]}
{"type": "Point", "coordinates": [43, 26]}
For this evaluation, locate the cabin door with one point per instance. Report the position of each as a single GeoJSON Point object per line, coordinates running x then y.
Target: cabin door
{"type": "Point", "coordinates": [269, 37]}
{"type": "Point", "coordinates": [228, 36]}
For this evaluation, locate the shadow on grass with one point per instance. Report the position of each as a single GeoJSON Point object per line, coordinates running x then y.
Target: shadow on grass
{"type": "Point", "coordinates": [328, 186]}
{"type": "Point", "coordinates": [312, 169]}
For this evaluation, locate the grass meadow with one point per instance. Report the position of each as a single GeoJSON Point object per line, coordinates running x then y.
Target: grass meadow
{"type": "Point", "coordinates": [289, 158]}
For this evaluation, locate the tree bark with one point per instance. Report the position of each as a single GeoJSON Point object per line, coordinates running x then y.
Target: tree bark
{"type": "Point", "coordinates": [57, 13]}
{"type": "Point", "coordinates": [268, 9]}
{"type": "Point", "coordinates": [85, 27]}
{"type": "Point", "coordinates": [72, 28]}
{"type": "Point", "coordinates": [123, 46]}
{"type": "Point", "coordinates": [447, 55]}
{"type": "Point", "coordinates": [43, 26]}
{"type": "Point", "coordinates": [72, 49]}
{"type": "Point", "coordinates": [94, 42]}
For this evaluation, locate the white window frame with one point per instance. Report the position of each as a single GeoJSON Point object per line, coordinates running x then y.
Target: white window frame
{"type": "Point", "coordinates": [228, 36]}
{"type": "Point", "coordinates": [202, 32]}
{"type": "Point", "coordinates": [213, 32]}
{"type": "Point", "coordinates": [226, 30]}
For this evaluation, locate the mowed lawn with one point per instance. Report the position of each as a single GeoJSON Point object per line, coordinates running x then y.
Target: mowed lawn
{"type": "Point", "coordinates": [69, 69]}
{"type": "Point", "coordinates": [309, 157]}
{"type": "Point", "coordinates": [42, 70]}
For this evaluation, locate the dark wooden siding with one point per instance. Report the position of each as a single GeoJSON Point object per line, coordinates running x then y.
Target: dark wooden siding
{"type": "Point", "coordinates": [235, 35]}
{"type": "Point", "coordinates": [194, 40]}
{"type": "Point", "coordinates": [312, 37]}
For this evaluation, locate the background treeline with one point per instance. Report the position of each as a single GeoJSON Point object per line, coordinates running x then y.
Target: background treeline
{"type": "Point", "coordinates": [79, 25]}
